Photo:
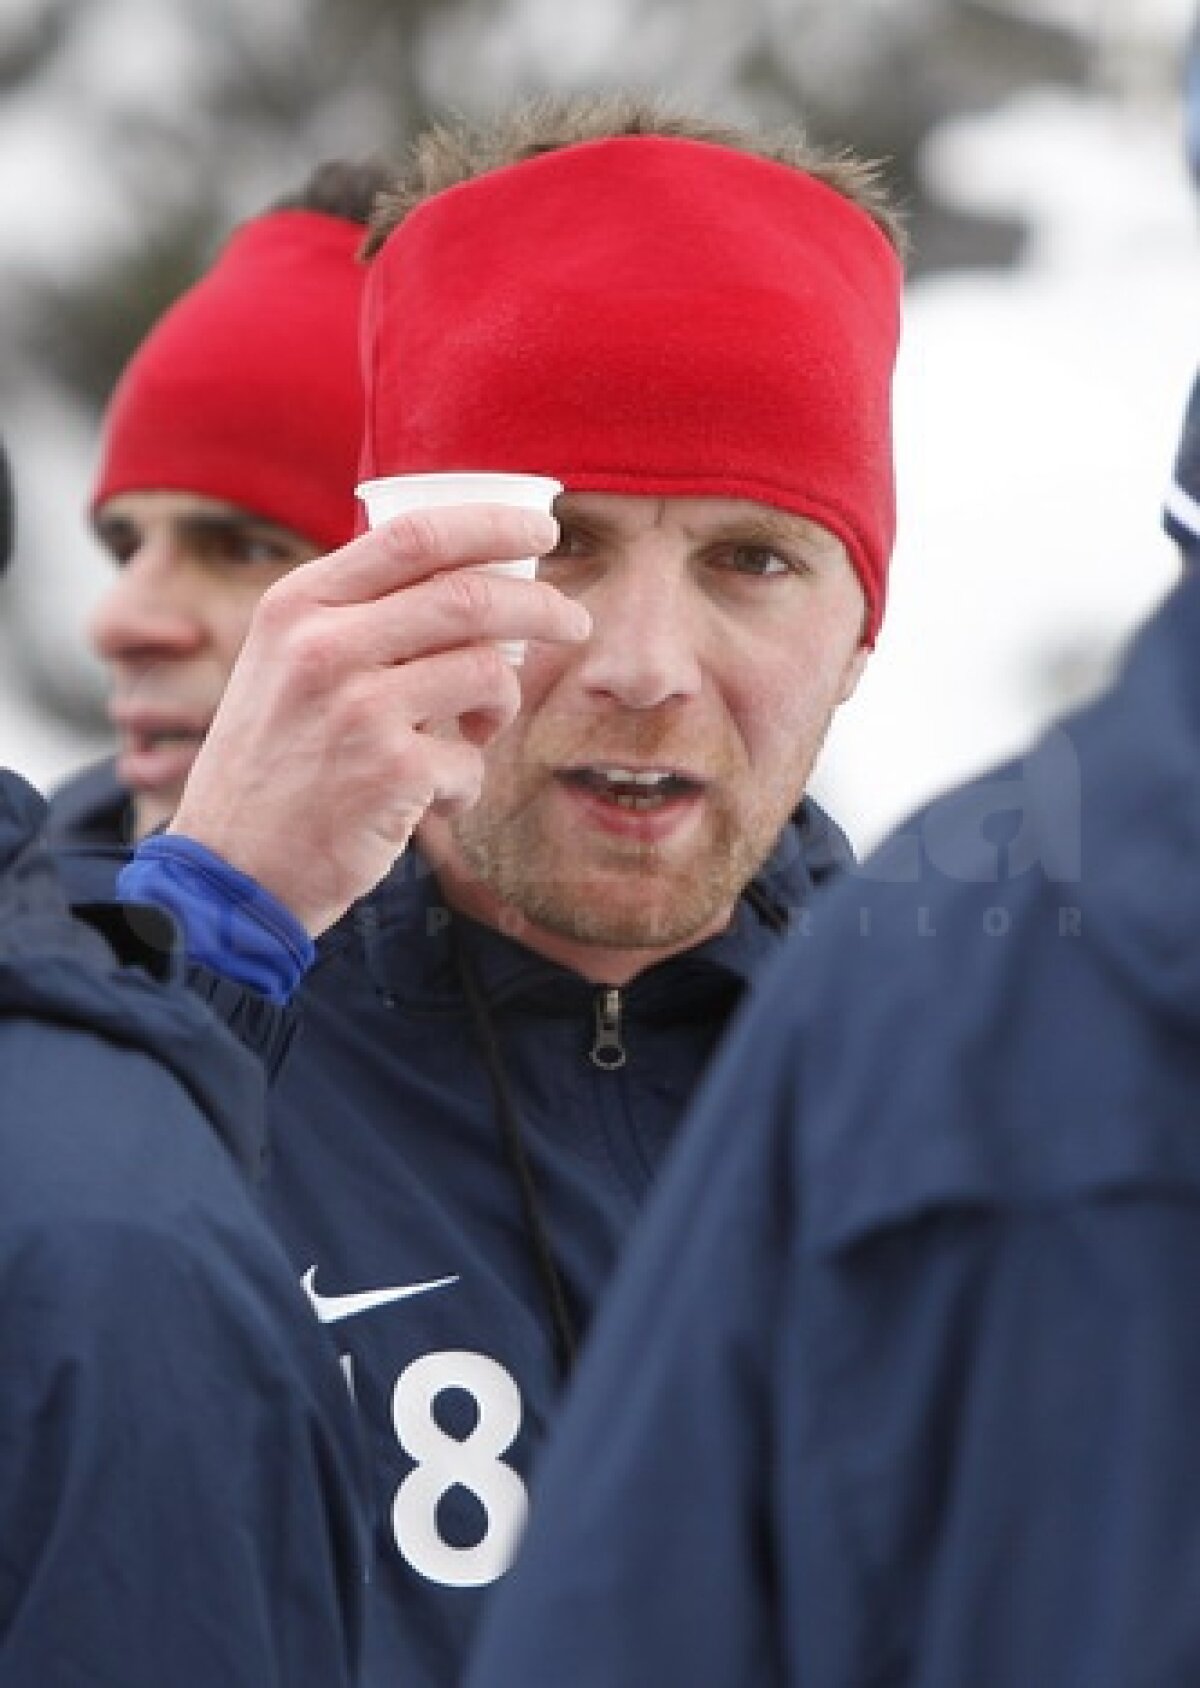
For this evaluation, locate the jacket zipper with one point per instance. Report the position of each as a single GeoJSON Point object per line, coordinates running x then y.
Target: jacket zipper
{"type": "Point", "coordinates": [607, 1049]}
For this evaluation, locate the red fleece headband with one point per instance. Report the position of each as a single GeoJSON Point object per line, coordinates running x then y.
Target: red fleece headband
{"type": "Point", "coordinates": [249, 389]}
{"type": "Point", "coordinates": [645, 315]}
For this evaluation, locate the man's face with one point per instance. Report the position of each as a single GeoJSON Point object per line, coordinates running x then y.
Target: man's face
{"type": "Point", "coordinates": [651, 770]}
{"type": "Point", "coordinates": [172, 623]}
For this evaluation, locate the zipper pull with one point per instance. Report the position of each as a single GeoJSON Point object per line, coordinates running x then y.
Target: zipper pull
{"type": "Point", "coordinates": [607, 1049]}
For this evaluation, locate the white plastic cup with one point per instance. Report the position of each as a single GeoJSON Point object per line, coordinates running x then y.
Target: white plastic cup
{"type": "Point", "coordinates": [392, 495]}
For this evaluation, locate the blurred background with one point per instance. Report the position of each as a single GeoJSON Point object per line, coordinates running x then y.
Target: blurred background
{"type": "Point", "coordinates": [1052, 324]}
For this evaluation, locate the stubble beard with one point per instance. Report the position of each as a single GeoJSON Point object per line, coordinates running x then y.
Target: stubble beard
{"type": "Point", "coordinates": [620, 894]}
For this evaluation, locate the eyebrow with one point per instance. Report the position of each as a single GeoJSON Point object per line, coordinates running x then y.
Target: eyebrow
{"type": "Point", "coordinates": [201, 526]}
{"type": "Point", "coordinates": [758, 526]}
{"type": "Point", "coordinates": [765, 527]}
{"type": "Point", "coordinates": [235, 521]}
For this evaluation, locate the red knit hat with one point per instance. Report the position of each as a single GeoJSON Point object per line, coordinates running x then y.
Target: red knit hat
{"type": "Point", "coordinates": [249, 388]}
{"type": "Point", "coordinates": [645, 315]}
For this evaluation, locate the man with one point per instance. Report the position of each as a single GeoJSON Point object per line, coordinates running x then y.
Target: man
{"type": "Point", "coordinates": [900, 1381]}
{"type": "Point", "coordinates": [495, 1046]}
{"type": "Point", "coordinates": [1181, 503]}
{"type": "Point", "coordinates": [228, 457]}
{"type": "Point", "coordinates": [180, 1471]}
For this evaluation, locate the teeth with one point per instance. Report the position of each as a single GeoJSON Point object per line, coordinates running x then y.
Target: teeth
{"type": "Point", "coordinates": [633, 788]}
{"type": "Point", "coordinates": [632, 776]}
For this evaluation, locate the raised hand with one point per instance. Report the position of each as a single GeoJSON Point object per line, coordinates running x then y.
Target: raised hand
{"type": "Point", "coordinates": [367, 690]}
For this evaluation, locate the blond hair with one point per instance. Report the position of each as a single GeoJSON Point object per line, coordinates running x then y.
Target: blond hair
{"type": "Point", "coordinates": [452, 152]}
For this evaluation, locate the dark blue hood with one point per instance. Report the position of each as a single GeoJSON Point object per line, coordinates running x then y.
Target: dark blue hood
{"type": "Point", "coordinates": [1142, 890]}
{"type": "Point", "coordinates": [114, 971]}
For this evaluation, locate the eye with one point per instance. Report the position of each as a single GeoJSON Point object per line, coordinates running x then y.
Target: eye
{"type": "Point", "coordinates": [230, 543]}
{"type": "Point", "coordinates": [121, 541]}
{"type": "Point", "coordinates": [572, 542]}
{"type": "Point", "coordinates": [572, 560]}
{"type": "Point", "coordinates": [262, 548]}
{"type": "Point", "coordinates": [760, 560]}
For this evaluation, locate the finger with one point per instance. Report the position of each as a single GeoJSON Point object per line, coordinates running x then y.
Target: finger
{"type": "Point", "coordinates": [456, 771]}
{"type": "Point", "coordinates": [420, 543]}
{"type": "Point", "coordinates": [442, 773]}
{"type": "Point", "coordinates": [471, 680]}
{"type": "Point", "coordinates": [457, 607]}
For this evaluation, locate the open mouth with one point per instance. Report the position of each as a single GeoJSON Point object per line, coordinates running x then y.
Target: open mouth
{"type": "Point", "coordinates": [639, 789]}
{"type": "Point", "coordinates": [165, 740]}
{"type": "Point", "coordinates": [157, 759]}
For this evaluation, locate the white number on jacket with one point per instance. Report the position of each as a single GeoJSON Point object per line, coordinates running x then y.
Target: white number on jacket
{"type": "Point", "coordinates": [474, 1463]}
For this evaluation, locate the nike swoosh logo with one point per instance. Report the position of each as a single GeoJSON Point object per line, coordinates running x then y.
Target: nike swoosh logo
{"type": "Point", "coordinates": [332, 1309]}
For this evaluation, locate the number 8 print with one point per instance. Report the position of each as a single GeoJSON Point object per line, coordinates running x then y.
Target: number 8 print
{"type": "Point", "coordinates": [444, 1462]}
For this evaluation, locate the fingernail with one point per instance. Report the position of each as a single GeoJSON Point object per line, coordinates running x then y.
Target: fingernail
{"type": "Point", "coordinates": [581, 621]}
{"type": "Point", "coordinates": [542, 532]}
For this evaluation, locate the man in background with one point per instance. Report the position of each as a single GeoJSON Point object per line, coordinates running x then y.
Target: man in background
{"type": "Point", "coordinates": [180, 1470]}
{"type": "Point", "coordinates": [228, 456]}
{"type": "Point", "coordinates": [900, 1381]}
{"type": "Point", "coordinates": [1181, 503]}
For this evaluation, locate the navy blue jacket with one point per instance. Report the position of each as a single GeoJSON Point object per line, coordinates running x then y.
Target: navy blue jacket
{"type": "Point", "coordinates": [392, 1190]}
{"type": "Point", "coordinates": [180, 1466]}
{"type": "Point", "coordinates": [90, 807]}
{"type": "Point", "coordinates": [899, 1382]}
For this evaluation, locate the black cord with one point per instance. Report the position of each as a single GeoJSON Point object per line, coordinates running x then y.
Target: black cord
{"type": "Point", "coordinates": [512, 1133]}
{"type": "Point", "coordinates": [766, 907]}
{"type": "Point", "coordinates": [566, 1341]}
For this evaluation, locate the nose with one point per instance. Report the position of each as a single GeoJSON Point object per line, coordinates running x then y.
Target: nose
{"type": "Point", "coordinates": [148, 610]}
{"type": "Point", "coordinates": [644, 647]}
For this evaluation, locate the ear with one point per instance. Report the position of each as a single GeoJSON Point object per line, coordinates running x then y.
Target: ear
{"type": "Point", "coordinates": [853, 672]}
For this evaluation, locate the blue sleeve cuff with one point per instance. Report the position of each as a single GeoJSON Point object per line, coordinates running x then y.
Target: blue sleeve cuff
{"type": "Point", "coordinates": [230, 924]}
